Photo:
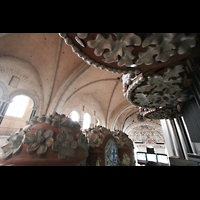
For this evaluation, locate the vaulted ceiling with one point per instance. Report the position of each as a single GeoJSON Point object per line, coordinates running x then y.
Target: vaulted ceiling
{"type": "Point", "coordinates": [57, 77]}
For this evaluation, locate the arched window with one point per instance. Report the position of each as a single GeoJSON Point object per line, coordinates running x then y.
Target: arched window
{"type": "Point", "coordinates": [74, 115]}
{"type": "Point", "coordinates": [96, 122]}
{"type": "Point", "coordinates": [18, 106]}
{"type": "Point", "coordinates": [86, 121]}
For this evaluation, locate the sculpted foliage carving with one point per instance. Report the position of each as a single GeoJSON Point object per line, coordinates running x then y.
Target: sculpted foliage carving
{"type": "Point", "coordinates": [164, 46]}
{"type": "Point", "coordinates": [123, 48]}
{"type": "Point", "coordinates": [162, 90]}
{"type": "Point", "coordinates": [120, 51]}
{"type": "Point", "coordinates": [41, 140]}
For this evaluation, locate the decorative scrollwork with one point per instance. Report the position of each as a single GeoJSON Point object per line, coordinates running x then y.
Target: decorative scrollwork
{"type": "Point", "coordinates": [40, 141]}
{"type": "Point", "coordinates": [14, 145]}
{"type": "Point", "coordinates": [160, 91]}
{"type": "Point", "coordinates": [128, 50]}
{"type": "Point", "coordinates": [82, 142]}
{"type": "Point", "coordinates": [164, 46]}
{"type": "Point", "coordinates": [120, 51]}
{"type": "Point", "coordinates": [98, 161]}
{"type": "Point", "coordinates": [126, 161]}
{"type": "Point", "coordinates": [65, 145]}
{"type": "Point", "coordinates": [157, 100]}
{"type": "Point", "coordinates": [146, 134]}
{"type": "Point", "coordinates": [95, 141]}
{"type": "Point", "coordinates": [168, 113]}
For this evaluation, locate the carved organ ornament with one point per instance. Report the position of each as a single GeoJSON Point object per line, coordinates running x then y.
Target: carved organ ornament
{"type": "Point", "coordinates": [146, 134]}
{"type": "Point", "coordinates": [109, 148]}
{"type": "Point", "coordinates": [53, 140]}
{"type": "Point", "coordinates": [153, 65]}
{"type": "Point", "coordinates": [57, 140]}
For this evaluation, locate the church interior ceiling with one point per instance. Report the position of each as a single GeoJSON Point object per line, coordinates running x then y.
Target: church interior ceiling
{"type": "Point", "coordinates": [129, 81]}
{"type": "Point", "coordinates": [153, 65]}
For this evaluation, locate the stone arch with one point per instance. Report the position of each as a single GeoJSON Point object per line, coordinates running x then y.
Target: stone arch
{"type": "Point", "coordinates": [27, 73]}
{"type": "Point", "coordinates": [91, 116]}
{"type": "Point", "coordinates": [132, 122]}
{"type": "Point", "coordinates": [59, 101]}
{"type": "Point", "coordinates": [31, 94]}
{"type": "Point", "coordinates": [77, 110]}
{"type": "Point", "coordinates": [117, 112]}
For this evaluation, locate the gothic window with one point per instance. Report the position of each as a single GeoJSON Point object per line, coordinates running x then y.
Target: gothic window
{"type": "Point", "coordinates": [18, 106]}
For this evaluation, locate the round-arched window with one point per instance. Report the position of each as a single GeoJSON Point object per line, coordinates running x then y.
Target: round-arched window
{"type": "Point", "coordinates": [18, 106]}
{"type": "Point", "coordinates": [75, 116]}
{"type": "Point", "coordinates": [86, 121]}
